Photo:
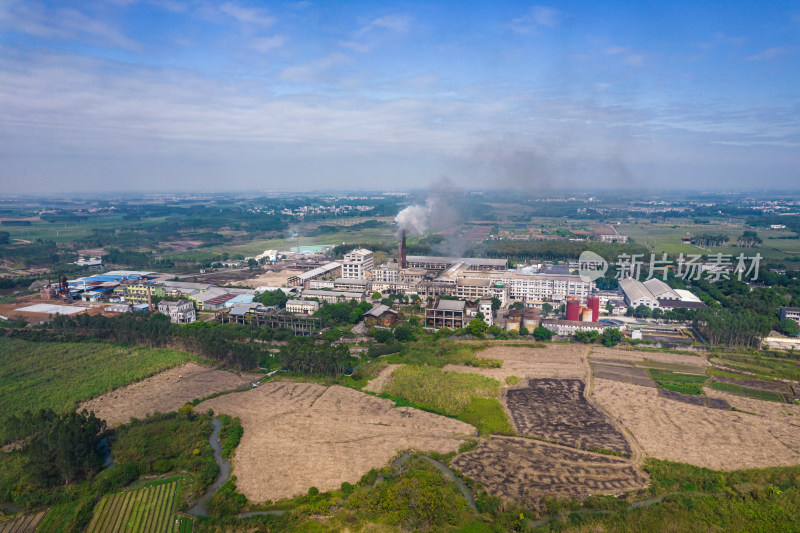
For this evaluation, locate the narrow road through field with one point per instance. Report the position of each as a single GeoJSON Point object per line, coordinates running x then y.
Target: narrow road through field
{"type": "Point", "coordinates": [637, 454]}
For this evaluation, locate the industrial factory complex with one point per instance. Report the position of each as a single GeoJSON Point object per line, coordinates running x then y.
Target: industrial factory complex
{"type": "Point", "coordinates": [453, 291]}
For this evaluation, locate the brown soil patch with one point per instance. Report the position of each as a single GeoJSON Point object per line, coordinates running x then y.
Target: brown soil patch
{"type": "Point", "coordinates": [617, 354]}
{"type": "Point", "coordinates": [164, 392]}
{"type": "Point", "coordinates": [380, 382]}
{"type": "Point", "coordinates": [554, 361]}
{"type": "Point", "coordinates": [299, 435]}
{"type": "Point", "coordinates": [525, 470]}
{"type": "Point", "coordinates": [268, 278]}
{"type": "Point", "coordinates": [712, 438]}
{"type": "Point", "coordinates": [622, 371]}
{"type": "Point", "coordinates": [556, 410]}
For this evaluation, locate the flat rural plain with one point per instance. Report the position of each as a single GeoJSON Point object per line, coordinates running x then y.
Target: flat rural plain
{"type": "Point", "coordinates": [551, 361]}
{"type": "Point", "coordinates": [299, 435]}
{"type": "Point", "coordinates": [165, 392]}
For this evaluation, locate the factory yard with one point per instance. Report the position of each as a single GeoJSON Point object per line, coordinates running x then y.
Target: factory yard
{"type": "Point", "coordinates": [699, 435]}
{"type": "Point", "coordinates": [299, 435]}
{"type": "Point", "coordinates": [551, 361]}
{"type": "Point", "coordinates": [556, 410]}
{"type": "Point", "coordinates": [526, 470]}
{"type": "Point", "coordinates": [165, 392]}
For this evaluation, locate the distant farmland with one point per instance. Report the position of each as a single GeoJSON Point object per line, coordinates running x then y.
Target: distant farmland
{"type": "Point", "coordinates": [149, 509]}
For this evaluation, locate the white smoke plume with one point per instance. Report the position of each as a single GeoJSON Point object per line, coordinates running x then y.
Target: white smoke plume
{"type": "Point", "coordinates": [415, 219]}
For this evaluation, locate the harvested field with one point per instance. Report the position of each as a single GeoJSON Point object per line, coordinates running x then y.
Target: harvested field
{"type": "Point", "coordinates": [24, 524]}
{"type": "Point", "coordinates": [553, 361]}
{"type": "Point", "coordinates": [555, 410]}
{"type": "Point", "coordinates": [622, 371]}
{"type": "Point", "coordinates": [777, 387]}
{"type": "Point", "coordinates": [378, 384]}
{"type": "Point", "coordinates": [712, 438]}
{"type": "Point", "coordinates": [600, 354]}
{"type": "Point", "coordinates": [299, 435]}
{"type": "Point", "coordinates": [165, 392]}
{"type": "Point", "coordinates": [780, 412]}
{"type": "Point", "coordinates": [525, 470]}
{"type": "Point", "coordinates": [702, 401]}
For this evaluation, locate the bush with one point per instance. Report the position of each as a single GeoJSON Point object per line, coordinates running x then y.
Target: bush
{"type": "Point", "coordinates": [226, 501]}
{"type": "Point", "coordinates": [541, 333]}
{"type": "Point", "coordinates": [377, 351]}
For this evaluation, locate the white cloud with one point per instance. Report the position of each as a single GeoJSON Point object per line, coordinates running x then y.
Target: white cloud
{"type": "Point", "coordinates": [394, 23]}
{"type": "Point", "coordinates": [770, 53]}
{"type": "Point", "coordinates": [315, 71]}
{"type": "Point", "coordinates": [265, 44]}
{"type": "Point", "coordinates": [536, 17]}
{"type": "Point", "coordinates": [247, 15]}
{"type": "Point", "coordinates": [629, 57]}
{"type": "Point", "coordinates": [61, 24]}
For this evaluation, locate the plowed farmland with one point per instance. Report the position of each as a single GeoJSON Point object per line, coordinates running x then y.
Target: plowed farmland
{"type": "Point", "coordinates": [555, 410]}
{"type": "Point", "coordinates": [525, 470]}
{"type": "Point", "coordinates": [165, 392]}
{"type": "Point", "coordinates": [299, 435]}
{"type": "Point", "coordinates": [149, 509]}
{"type": "Point", "coordinates": [23, 524]}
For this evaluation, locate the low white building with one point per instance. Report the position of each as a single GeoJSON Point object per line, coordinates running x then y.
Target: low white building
{"type": "Point", "coordinates": [178, 311]}
{"type": "Point", "coordinates": [302, 307]}
{"type": "Point", "coordinates": [570, 327]}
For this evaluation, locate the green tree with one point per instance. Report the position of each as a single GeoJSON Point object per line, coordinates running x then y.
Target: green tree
{"type": "Point", "coordinates": [403, 334]}
{"type": "Point", "coordinates": [541, 333]}
{"type": "Point", "coordinates": [376, 295]}
{"type": "Point", "coordinates": [658, 313]}
{"type": "Point", "coordinates": [477, 327]}
{"type": "Point", "coordinates": [547, 308]}
{"type": "Point", "coordinates": [496, 303]}
{"type": "Point", "coordinates": [587, 337]}
{"type": "Point", "coordinates": [517, 305]}
{"type": "Point", "coordinates": [787, 326]}
{"type": "Point", "coordinates": [276, 298]}
{"type": "Point", "coordinates": [523, 330]}
{"type": "Point", "coordinates": [611, 337]}
{"type": "Point", "coordinates": [642, 311]}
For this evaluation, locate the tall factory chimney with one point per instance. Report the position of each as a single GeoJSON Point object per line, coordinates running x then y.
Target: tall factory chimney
{"type": "Point", "coordinates": [401, 255]}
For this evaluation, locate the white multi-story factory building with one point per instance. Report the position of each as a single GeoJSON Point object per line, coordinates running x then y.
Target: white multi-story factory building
{"type": "Point", "coordinates": [357, 263]}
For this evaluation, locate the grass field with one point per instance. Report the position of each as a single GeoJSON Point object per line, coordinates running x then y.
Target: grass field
{"type": "Point", "coordinates": [441, 391]}
{"type": "Point", "coordinates": [149, 509]}
{"type": "Point", "coordinates": [745, 391]}
{"type": "Point", "coordinates": [38, 375]}
{"type": "Point", "coordinates": [678, 382]}
{"type": "Point", "coordinates": [664, 238]}
{"type": "Point", "coordinates": [62, 232]}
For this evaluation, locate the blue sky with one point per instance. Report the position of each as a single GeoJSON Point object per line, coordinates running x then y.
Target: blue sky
{"type": "Point", "coordinates": [176, 95]}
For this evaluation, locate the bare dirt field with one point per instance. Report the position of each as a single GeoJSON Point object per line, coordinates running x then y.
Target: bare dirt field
{"type": "Point", "coordinates": [713, 438]}
{"type": "Point", "coordinates": [268, 278]}
{"type": "Point", "coordinates": [381, 380]}
{"type": "Point", "coordinates": [525, 470]}
{"type": "Point", "coordinates": [301, 435]}
{"type": "Point", "coordinates": [553, 361]}
{"type": "Point", "coordinates": [599, 354]}
{"type": "Point", "coordinates": [622, 371]}
{"type": "Point", "coordinates": [165, 392]}
{"type": "Point", "coordinates": [555, 410]}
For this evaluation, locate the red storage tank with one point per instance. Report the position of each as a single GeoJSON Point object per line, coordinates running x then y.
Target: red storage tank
{"type": "Point", "coordinates": [573, 309]}
{"type": "Point", "coordinates": [594, 305]}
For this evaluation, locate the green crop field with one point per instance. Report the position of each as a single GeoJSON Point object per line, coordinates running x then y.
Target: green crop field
{"type": "Point", "coordinates": [149, 509]}
{"type": "Point", "coordinates": [39, 375]}
{"type": "Point", "coordinates": [678, 382]}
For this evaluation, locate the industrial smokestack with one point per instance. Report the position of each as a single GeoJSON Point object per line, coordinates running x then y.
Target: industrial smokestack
{"type": "Point", "coordinates": [401, 255]}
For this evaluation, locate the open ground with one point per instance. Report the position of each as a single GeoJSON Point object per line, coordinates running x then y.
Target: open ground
{"type": "Point", "coordinates": [712, 438]}
{"type": "Point", "coordinates": [526, 470]}
{"type": "Point", "coordinates": [165, 392]}
{"type": "Point", "coordinates": [299, 435]}
{"type": "Point", "coordinates": [559, 361]}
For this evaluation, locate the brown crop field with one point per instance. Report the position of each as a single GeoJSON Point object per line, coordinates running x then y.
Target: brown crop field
{"type": "Point", "coordinates": [552, 361]}
{"type": "Point", "coordinates": [600, 354]}
{"type": "Point", "coordinates": [525, 470]}
{"type": "Point", "coordinates": [556, 410]}
{"type": "Point", "coordinates": [302, 435]}
{"type": "Point", "coordinates": [699, 435]}
{"type": "Point", "coordinates": [779, 412]}
{"type": "Point", "coordinates": [165, 392]}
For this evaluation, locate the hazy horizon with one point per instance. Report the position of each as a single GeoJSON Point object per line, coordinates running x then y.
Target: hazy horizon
{"type": "Point", "coordinates": [202, 96]}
